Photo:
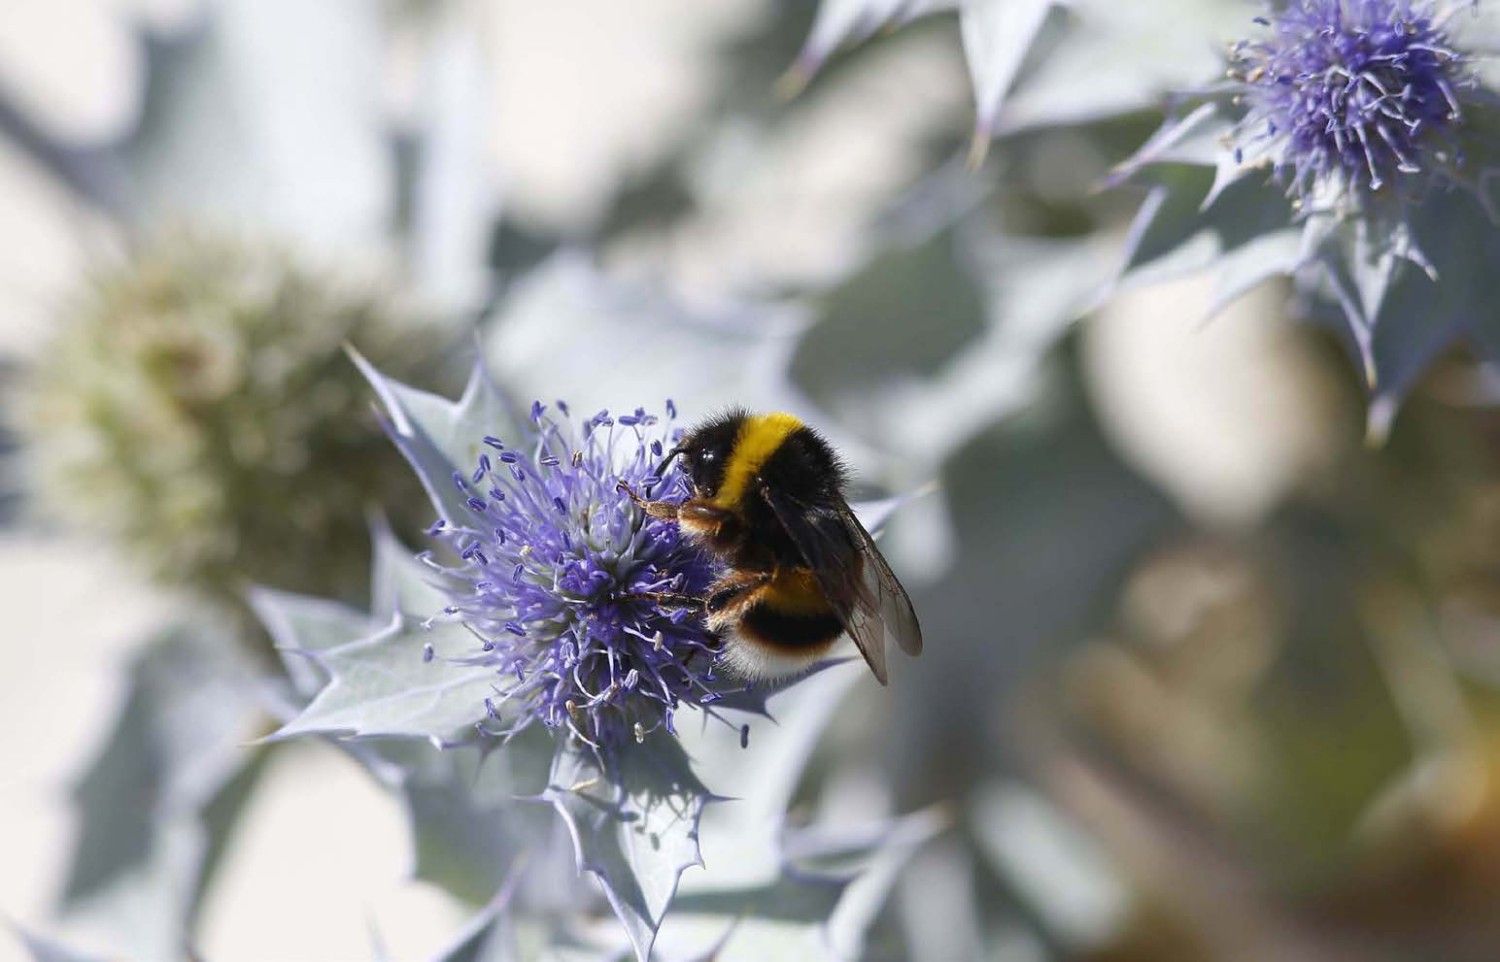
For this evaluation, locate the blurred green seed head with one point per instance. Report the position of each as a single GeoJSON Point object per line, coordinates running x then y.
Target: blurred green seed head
{"type": "Point", "coordinates": [197, 408]}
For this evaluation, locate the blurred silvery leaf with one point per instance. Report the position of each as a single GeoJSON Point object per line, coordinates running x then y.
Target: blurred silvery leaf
{"type": "Point", "coordinates": [870, 858]}
{"type": "Point", "coordinates": [997, 35]}
{"type": "Point", "coordinates": [497, 934]}
{"type": "Point", "coordinates": [505, 931]}
{"type": "Point", "coordinates": [440, 437]}
{"type": "Point", "coordinates": [1415, 315]}
{"type": "Point", "coordinates": [301, 626]}
{"type": "Point", "coordinates": [466, 830]}
{"type": "Point", "coordinates": [759, 785]}
{"type": "Point", "coordinates": [1398, 310]}
{"type": "Point", "coordinates": [560, 331]}
{"type": "Point", "coordinates": [1110, 59]}
{"type": "Point", "coordinates": [401, 582]}
{"type": "Point", "coordinates": [449, 194]}
{"type": "Point", "coordinates": [157, 804]}
{"type": "Point", "coordinates": [485, 938]}
{"type": "Point", "coordinates": [1061, 873]}
{"type": "Point", "coordinates": [1192, 220]}
{"type": "Point", "coordinates": [903, 317]}
{"type": "Point", "coordinates": [741, 832]}
{"type": "Point", "coordinates": [784, 203]}
{"type": "Point", "coordinates": [763, 892]}
{"type": "Point", "coordinates": [492, 934]}
{"type": "Point", "coordinates": [44, 81]}
{"type": "Point", "coordinates": [1034, 290]}
{"type": "Point", "coordinates": [232, 93]}
{"type": "Point", "coordinates": [1094, 59]}
{"type": "Point", "coordinates": [803, 913]}
{"type": "Point", "coordinates": [635, 829]}
{"type": "Point", "coordinates": [295, 75]}
{"type": "Point", "coordinates": [75, 87]}
{"type": "Point", "coordinates": [960, 321]}
{"type": "Point", "coordinates": [1041, 478]}
{"type": "Point", "coordinates": [43, 949]}
{"type": "Point", "coordinates": [939, 905]}
{"type": "Point", "coordinates": [88, 170]}
{"type": "Point", "coordinates": [384, 685]}
{"type": "Point", "coordinates": [840, 22]}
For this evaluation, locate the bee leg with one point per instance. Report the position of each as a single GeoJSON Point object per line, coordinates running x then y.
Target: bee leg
{"type": "Point", "coordinates": [670, 599]}
{"type": "Point", "coordinates": [733, 593]}
{"type": "Point", "coordinates": [656, 509]}
{"type": "Point", "coordinates": [728, 593]}
{"type": "Point", "coordinates": [734, 588]}
{"type": "Point", "coordinates": [718, 527]}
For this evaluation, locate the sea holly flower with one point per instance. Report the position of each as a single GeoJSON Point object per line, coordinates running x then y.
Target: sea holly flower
{"type": "Point", "coordinates": [551, 599]}
{"type": "Point", "coordinates": [582, 606]}
{"type": "Point", "coordinates": [1352, 148]}
{"type": "Point", "coordinates": [553, 622]}
{"type": "Point", "coordinates": [1359, 96]}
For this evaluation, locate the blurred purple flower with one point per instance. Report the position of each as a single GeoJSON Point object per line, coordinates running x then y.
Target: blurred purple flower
{"type": "Point", "coordinates": [571, 590]}
{"type": "Point", "coordinates": [1350, 94]}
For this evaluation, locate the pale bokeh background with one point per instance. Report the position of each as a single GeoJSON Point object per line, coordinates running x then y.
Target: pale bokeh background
{"type": "Point", "coordinates": [571, 97]}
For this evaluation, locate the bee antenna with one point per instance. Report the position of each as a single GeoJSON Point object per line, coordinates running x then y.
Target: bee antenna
{"type": "Point", "coordinates": [662, 468]}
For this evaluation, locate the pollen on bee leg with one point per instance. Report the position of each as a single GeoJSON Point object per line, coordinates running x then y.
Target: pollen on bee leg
{"type": "Point", "coordinates": [665, 510]}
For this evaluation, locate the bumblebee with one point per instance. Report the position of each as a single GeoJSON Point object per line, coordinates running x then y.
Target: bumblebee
{"type": "Point", "coordinates": [767, 500]}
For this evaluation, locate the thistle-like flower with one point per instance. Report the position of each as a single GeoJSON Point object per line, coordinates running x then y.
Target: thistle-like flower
{"type": "Point", "coordinates": [1350, 95]}
{"type": "Point", "coordinates": [580, 602]}
{"type": "Point", "coordinates": [197, 408]}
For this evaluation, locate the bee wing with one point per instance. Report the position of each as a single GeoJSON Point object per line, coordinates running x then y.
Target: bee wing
{"type": "Point", "coordinates": [892, 607]}
{"type": "Point", "coordinates": [853, 575]}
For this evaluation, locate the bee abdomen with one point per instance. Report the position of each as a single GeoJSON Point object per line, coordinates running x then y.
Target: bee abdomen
{"type": "Point", "coordinates": [801, 631]}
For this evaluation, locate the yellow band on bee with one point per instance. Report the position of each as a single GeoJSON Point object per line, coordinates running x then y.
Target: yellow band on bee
{"type": "Point", "coordinates": [760, 435]}
{"type": "Point", "coordinates": [796, 591]}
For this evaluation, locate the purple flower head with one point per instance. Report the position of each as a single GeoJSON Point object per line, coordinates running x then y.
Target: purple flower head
{"type": "Point", "coordinates": [1349, 94]}
{"type": "Point", "coordinates": [576, 597]}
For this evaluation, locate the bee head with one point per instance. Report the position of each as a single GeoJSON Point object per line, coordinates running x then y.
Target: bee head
{"type": "Point", "coordinates": [705, 452]}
